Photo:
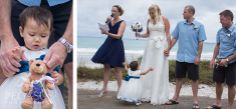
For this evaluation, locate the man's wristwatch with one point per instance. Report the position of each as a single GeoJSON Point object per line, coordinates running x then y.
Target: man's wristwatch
{"type": "Point", "coordinates": [69, 47]}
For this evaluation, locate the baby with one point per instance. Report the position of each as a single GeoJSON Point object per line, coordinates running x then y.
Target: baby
{"type": "Point", "coordinates": [131, 90]}
{"type": "Point", "coordinates": [36, 26]}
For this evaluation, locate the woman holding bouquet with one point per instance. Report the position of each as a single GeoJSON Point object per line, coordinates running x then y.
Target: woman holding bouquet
{"type": "Point", "coordinates": [156, 84]}
{"type": "Point", "coordinates": [111, 53]}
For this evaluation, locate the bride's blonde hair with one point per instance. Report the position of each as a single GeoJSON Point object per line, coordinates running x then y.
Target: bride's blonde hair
{"type": "Point", "coordinates": [157, 11]}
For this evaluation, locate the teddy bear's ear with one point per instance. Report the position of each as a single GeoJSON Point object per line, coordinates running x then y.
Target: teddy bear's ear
{"type": "Point", "coordinates": [31, 61]}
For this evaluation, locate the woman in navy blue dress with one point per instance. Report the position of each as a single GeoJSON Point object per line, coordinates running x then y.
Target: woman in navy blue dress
{"type": "Point", "coordinates": [111, 53]}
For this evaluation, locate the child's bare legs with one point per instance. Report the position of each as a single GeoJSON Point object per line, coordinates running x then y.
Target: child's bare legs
{"type": "Point", "coordinates": [119, 76]}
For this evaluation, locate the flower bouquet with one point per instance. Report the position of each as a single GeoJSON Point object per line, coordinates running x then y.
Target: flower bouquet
{"type": "Point", "coordinates": [137, 27]}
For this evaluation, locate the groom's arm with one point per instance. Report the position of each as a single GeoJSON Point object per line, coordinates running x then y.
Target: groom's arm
{"type": "Point", "coordinates": [199, 51]}
{"type": "Point", "coordinates": [172, 43]}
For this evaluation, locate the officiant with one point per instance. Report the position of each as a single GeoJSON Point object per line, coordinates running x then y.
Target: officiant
{"type": "Point", "coordinates": [111, 53]}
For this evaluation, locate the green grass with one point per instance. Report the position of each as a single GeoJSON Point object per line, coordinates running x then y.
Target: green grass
{"type": "Point", "coordinates": [97, 74]}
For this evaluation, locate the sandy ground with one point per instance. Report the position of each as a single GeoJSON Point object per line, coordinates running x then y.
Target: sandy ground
{"type": "Point", "coordinates": [88, 99]}
{"type": "Point", "coordinates": [204, 90]}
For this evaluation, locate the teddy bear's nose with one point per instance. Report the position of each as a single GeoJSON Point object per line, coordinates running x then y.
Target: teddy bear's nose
{"type": "Point", "coordinates": [37, 65]}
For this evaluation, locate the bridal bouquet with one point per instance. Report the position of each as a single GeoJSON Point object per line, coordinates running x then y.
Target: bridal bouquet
{"type": "Point", "coordinates": [137, 27]}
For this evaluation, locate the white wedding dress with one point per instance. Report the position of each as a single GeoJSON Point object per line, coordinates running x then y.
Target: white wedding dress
{"type": "Point", "coordinates": [11, 95]}
{"type": "Point", "coordinates": [156, 83]}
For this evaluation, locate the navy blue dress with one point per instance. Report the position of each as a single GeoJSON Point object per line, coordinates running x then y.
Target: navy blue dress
{"type": "Point", "coordinates": [112, 50]}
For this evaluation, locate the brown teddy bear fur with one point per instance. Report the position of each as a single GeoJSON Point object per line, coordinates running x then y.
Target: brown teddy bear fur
{"type": "Point", "coordinates": [38, 69]}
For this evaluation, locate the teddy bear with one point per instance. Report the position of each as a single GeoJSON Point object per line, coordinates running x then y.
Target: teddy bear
{"type": "Point", "coordinates": [37, 86]}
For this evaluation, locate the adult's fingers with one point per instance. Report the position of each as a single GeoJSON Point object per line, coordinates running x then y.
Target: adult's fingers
{"type": "Point", "coordinates": [47, 57]}
{"type": "Point", "coordinates": [6, 71]}
{"type": "Point", "coordinates": [6, 64]}
{"type": "Point", "coordinates": [15, 62]}
{"type": "Point", "coordinates": [11, 68]}
{"type": "Point", "coordinates": [53, 62]}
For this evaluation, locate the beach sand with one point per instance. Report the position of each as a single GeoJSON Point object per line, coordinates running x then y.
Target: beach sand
{"type": "Point", "coordinates": [88, 99]}
{"type": "Point", "coordinates": [204, 90]}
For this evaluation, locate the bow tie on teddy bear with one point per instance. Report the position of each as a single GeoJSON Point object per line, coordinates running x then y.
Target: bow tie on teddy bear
{"type": "Point", "coordinates": [25, 66]}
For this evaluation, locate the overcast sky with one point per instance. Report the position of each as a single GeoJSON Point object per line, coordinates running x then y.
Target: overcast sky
{"type": "Point", "coordinates": [91, 12]}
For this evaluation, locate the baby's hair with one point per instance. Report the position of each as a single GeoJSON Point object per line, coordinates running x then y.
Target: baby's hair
{"type": "Point", "coordinates": [41, 15]}
{"type": "Point", "coordinates": [134, 65]}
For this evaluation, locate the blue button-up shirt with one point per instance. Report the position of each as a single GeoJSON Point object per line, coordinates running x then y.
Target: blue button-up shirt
{"type": "Point", "coordinates": [188, 36]}
{"type": "Point", "coordinates": [227, 40]}
{"type": "Point", "coordinates": [37, 2]}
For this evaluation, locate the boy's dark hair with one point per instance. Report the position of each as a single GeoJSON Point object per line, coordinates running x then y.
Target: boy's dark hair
{"type": "Point", "coordinates": [134, 65]}
{"type": "Point", "coordinates": [227, 13]}
{"type": "Point", "coordinates": [41, 15]}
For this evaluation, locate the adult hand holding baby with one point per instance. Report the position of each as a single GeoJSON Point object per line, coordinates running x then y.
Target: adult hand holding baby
{"type": "Point", "coordinates": [10, 58]}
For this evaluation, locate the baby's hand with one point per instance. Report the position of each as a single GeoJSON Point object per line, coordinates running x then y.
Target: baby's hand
{"type": "Point", "coordinates": [58, 77]}
{"type": "Point", "coordinates": [18, 54]}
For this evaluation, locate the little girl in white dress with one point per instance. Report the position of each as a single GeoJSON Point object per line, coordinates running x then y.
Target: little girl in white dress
{"type": "Point", "coordinates": [131, 89]}
{"type": "Point", "coordinates": [35, 33]}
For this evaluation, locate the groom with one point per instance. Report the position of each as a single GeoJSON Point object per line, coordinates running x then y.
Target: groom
{"type": "Point", "coordinates": [190, 33]}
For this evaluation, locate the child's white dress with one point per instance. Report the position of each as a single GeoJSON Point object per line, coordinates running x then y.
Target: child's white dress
{"type": "Point", "coordinates": [131, 90]}
{"type": "Point", "coordinates": [11, 95]}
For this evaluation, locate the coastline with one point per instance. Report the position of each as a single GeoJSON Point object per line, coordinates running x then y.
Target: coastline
{"type": "Point", "coordinates": [85, 55]}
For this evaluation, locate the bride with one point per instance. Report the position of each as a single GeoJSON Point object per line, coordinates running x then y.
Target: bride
{"type": "Point", "coordinates": [156, 84]}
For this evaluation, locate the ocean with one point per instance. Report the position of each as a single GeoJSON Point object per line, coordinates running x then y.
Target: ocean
{"type": "Point", "coordinates": [134, 48]}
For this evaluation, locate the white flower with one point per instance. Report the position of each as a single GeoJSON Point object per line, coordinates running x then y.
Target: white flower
{"type": "Point", "coordinates": [195, 27]}
{"type": "Point", "coordinates": [137, 27]}
{"type": "Point", "coordinates": [229, 35]}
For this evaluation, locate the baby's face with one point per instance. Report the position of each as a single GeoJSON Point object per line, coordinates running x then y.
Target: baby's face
{"type": "Point", "coordinates": [35, 36]}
